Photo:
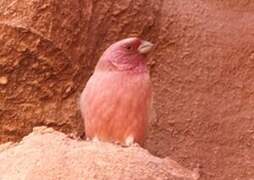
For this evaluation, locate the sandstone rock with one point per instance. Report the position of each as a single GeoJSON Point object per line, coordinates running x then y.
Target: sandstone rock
{"type": "Point", "coordinates": [48, 154]}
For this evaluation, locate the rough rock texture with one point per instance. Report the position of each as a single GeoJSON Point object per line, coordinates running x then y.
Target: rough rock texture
{"type": "Point", "coordinates": [204, 84]}
{"type": "Point", "coordinates": [48, 154]}
{"type": "Point", "coordinates": [202, 71]}
{"type": "Point", "coordinates": [48, 50]}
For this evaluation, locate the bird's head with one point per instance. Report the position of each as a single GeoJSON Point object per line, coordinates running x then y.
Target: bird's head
{"type": "Point", "coordinates": [126, 54]}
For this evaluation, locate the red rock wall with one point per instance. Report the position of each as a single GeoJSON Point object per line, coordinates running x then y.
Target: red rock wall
{"type": "Point", "coordinates": [202, 71]}
{"type": "Point", "coordinates": [204, 84]}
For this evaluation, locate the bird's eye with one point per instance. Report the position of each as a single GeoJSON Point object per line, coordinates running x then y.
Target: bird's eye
{"type": "Point", "coordinates": [128, 47]}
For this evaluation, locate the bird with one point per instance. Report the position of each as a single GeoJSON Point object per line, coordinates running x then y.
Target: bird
{"type": "Point", "coordinates": [116, 102]}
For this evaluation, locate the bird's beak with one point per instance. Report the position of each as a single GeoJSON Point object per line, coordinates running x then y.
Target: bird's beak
{"type": "Point", "coordinates": [145, 47]}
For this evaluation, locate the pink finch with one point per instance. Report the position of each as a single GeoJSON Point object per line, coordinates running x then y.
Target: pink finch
{"type": "Point", "coordinates": [116, 102]}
